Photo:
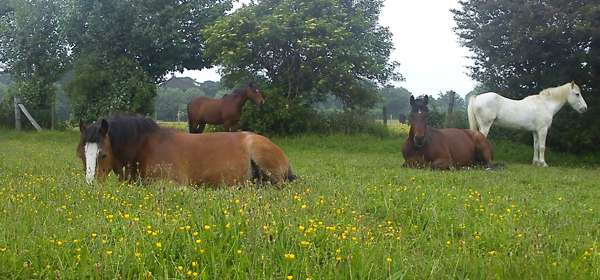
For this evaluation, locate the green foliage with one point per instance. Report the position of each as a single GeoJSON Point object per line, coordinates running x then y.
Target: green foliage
{"type": "Point", "coordinates": [522, 47]}
{"type": "Point", "coordinates": [40, 39]}
{"type": "Point", "coordinates": [160, 36]}
{"type": "Point", "coordinates": [33, 50]}
{"type": "Point", "coordinates": [353, 214]}
{"type": "Point", "coordinates": [276, 116]}
{"type": "Point", "coordinates": [175, 93]}
{"type": "Point", "coordinates": [6, 106]}
{"type": "Point", "coordinates": [171, 104]}
{"type": "Point", "coordinates": [396, 100]}
{"type": "Point", "coordinates": [306, 50]}
{"type": "Point", "coordinates": [101, 87]}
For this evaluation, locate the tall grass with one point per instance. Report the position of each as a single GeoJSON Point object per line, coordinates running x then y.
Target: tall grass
{"type": "Point", "coordinates": [353, 214]}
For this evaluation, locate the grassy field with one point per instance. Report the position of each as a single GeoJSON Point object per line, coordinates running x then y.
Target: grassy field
{"type": "Point", "coordinates": [354, 214]}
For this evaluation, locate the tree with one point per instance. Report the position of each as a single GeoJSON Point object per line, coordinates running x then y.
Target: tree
{"type": "Point", "coordinates": [521, 47]}
{"type": "Point", "coordinates": [101, 87]}
{"type": "Point", "coordinates": [306, 50]}
{"type": "Point", "coordinates": [128, 40]}
{"type": "Point", "coordinates": [396, 100]}
{"type": "Point", "coordinates": [32, 49]}
{"type": "Point", "coordinates": [160, 36]}
{"type": "Point", "coordinates": [443, 99]}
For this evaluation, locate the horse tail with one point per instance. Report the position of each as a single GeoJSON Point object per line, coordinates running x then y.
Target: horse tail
{"type": "Point", "coordinates": [290, 174]}
{"type": "Point", "coordinates": [495, 166]}
{"type": "Point", "coordinates": [191, 125]}
{"type": "Point", "coordinates": [268, 162]}
{"type": "Point", "coordinates": [471, 114]}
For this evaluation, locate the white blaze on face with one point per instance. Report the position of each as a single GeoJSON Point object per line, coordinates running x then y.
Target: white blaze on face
{"type": "Point", "coordinates": [91, 155]}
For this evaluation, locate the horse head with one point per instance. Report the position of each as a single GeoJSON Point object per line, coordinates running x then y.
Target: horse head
{"type": "Point", "coordinates": [254, 94]}
{"type": "Point", "coordinates": [418, 120]}
{"type": "Point", "coordinates": [575, 98]}
{"type": "Point", "coordinates": [95, 150]}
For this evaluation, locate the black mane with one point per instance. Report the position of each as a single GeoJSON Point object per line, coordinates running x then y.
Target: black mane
{"type": "Point", "coordinates": [126, 132]}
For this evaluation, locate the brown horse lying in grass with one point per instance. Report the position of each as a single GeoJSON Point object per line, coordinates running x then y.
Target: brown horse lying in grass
{"type": "Point", "coordinates": [443, 148]}
{"type": "Point", "coordinates": [225, 111]}
{"type": "Point", "coordinates": [134, 146]}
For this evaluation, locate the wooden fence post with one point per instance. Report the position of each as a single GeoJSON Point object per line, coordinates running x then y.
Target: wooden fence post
{"type": "Point", "coordinates": [31, 119]}
{"type": "Point", "coordinates": [17, 113]}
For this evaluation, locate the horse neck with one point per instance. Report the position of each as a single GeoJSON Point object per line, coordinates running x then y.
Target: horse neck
{"type": "Point", "coordinates": [555, 99]}
{"type": "Point", "coordinates": [239, 99]}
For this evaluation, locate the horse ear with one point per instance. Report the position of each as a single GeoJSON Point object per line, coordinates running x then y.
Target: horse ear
{"type": "Point", "coordinates": [81, 126]}
{"type": "Point", "coordinates": [251, 84]}
{"type": "Point", "coordinates": [572, 84]}
{"type": "Point", "coordinates": [412, 100]}
{"type": "Point", "coordinates": [103, 127]}
{"type": "Point", "coordinates": [426, 98]}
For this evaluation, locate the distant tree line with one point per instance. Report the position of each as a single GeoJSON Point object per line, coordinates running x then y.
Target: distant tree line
{"type": "Point", "coordinates": [110, 55]}
{"type": "Point", "coordinates": [174, 95]}
{"type": "Point", "coordinates": [521, 47]}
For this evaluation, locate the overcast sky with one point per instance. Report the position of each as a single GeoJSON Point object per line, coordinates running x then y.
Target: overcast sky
{"type": "Point", "coordinates": [431, 58]}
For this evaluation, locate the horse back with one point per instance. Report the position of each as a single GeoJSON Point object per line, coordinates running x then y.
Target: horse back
{"type": "Point", "coordinates": [205, 109]}
{"type": "Point", "coordinates": [460, 145]}
{"type": "Point", "coordinates": [216, 158]}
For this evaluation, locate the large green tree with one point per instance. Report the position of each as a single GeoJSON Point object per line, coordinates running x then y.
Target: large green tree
{"type": "Point", "coordinates": [123, 40]}
{"type": "Point", "coordinates": [147, 38]}
{"type": "Point", "coordinates": [33, 50]}
{"type": "Point", "coordinates": [161, 36]}
{"type": "Point", "coordinates": [521, 47]}
{"type": "Point", "coordinates": [306, 50]}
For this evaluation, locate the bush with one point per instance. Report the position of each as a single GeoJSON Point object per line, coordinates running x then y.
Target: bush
{"type": "Point", "coordinates": [101, 87]}
{"type": "Point", "coordinates": [276, 116]}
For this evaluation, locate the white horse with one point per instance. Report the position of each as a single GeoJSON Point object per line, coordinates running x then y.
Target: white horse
{"type": "Point", "coordinates": [533, 113]}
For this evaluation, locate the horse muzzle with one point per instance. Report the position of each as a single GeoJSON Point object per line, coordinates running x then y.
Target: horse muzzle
{"type": "Point", "coordinates": [419, 141]}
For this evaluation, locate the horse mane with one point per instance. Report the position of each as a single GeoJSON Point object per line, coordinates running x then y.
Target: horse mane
{"type": "Point", "coordinates": [236, 92]}
{"type": "Point", "coordinates": [126, 132]}
{"type": "Point", "coordinates": [559, 93]}
{"type": "Point", "coordinates": [129, 129]}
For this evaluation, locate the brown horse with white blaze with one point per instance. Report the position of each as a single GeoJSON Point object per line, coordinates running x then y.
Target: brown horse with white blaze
{"type": "Point", "coordinates": [442, 148]}
{"type": "Point", "coordinates": [155, 152]}
{"type": "Point", "coordinates": [226, 110]}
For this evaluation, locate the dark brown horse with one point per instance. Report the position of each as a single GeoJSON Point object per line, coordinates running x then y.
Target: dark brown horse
{"type": "Point", "coordinates": [226, 111]}
{"type": "Point", "coordinates": [442, 148]}
{"type": "Point", "coordinates": [154, 152]}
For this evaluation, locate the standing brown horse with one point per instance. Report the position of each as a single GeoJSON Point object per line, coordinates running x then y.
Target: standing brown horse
{"type": "Point", "coordinates": [155, 152]}
{"type": "Point", "coordinates": [226, 111]}
{"type": "Point", "coordinates": [442, 148]}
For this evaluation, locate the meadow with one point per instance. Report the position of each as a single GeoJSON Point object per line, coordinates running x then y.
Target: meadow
{"type": "Point", "coordinates": [353, 214]}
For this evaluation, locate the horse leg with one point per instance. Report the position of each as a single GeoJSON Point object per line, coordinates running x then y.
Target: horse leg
{"type": "Point", "coordinates": [441, 164]}
{"type": "Point", "coordinates": [542, 145]}
{"type": "Point", "coordinates": [230, 126]}
{"type": "Point", "coordinates": [234, 127]}
{"type": "Point", "coordinates": [486, 153]}
{"type": "Point", "coordinates": [536, 155]}
{"type": "Point", "coordinates": [200, 128]}
{"type": "Point", "coordinates": [484, 128]}
{"type": "Point", "coordinates": [191, 125]}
